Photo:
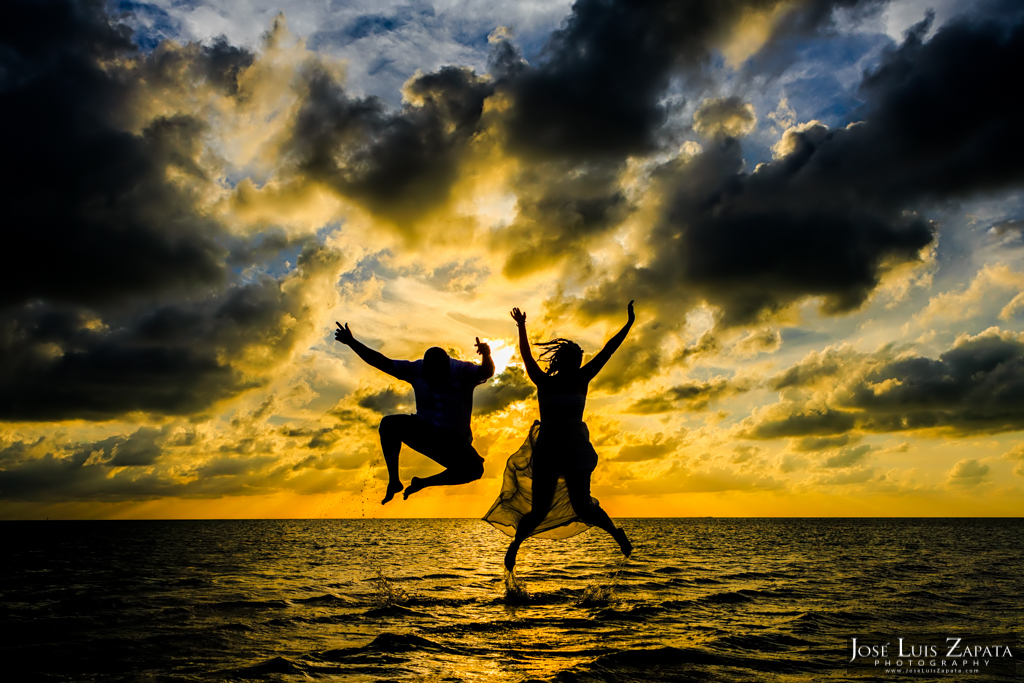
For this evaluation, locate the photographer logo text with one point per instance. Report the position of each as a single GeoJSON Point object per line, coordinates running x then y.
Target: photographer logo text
{"type": "Point", "coordinates": [952, 656]}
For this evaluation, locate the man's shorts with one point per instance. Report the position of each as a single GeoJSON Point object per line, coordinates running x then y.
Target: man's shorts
{"type": "Point", "coordinates": [447, 447]}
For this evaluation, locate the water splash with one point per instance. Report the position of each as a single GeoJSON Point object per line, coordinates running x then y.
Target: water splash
{"type": "Point", "coordinates": [515, 588]}
{"type": "Point", "coordinates": [387, 593]}
{"type": "Point", "coordinates": [596, 594]}
{"type": "Point", "coordinates": [599, 592]}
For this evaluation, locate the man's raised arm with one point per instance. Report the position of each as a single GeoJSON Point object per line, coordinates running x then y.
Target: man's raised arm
{"type": "Point", "coordinates": [371, 357]}
{"type": "Point", "coordinates": [486, 370]}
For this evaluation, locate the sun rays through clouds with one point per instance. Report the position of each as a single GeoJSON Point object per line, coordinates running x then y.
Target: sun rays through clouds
{"type": "Point", "coordinates": [816, 206]}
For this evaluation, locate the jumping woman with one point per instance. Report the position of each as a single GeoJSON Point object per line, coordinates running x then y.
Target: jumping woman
{"type": "Point", "coordinates": [546, 488]}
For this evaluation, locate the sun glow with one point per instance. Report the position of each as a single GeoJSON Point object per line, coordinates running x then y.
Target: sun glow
{"type": "Point", "coordinates": [501, 353]}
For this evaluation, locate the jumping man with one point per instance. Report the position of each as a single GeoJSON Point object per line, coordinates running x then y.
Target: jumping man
{"type": "Point", "coordinates": [440, 430]}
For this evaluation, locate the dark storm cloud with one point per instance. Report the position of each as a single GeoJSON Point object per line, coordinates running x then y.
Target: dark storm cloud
{"type": "Point", "coordinates": [233, 466]}
{"type": "Point", "coordinates": [821, 443]}
{"type": "Point", "coordinates": [119, 300]}
{"type": "Point", "coordinates": [759, 242]}
{"type": "Point", "coordinates": [458, 276]}
{"type": "Point", "coordinates": [325, 438]}
{"type": "Point", "coordinates": [397, 164]}
{"type": "Point", "coordinates": [753, 244]}
{"type": "Point", "coordinates": [1011, 231]}
{"type": "Point", "coordinates": [1011, 227]}
{"type": "Point", "coordinates": [140, 449]}
{"type": "Point", "coordinates": [802, 421]}
{"type": "Point", "coordinates": [509, 387]}
{"type": "Point", "coordinates": [661, 447]}
{"type": "Point", "coordinates": [81, 470]}
{"type": "Point", "coordinates": [559, 211]}
{"type": "Point", "coordinates": [939, 122]}
{"type": "Point", "coordinates": [639, 358]}
{"type": "Point", "coordinates": [816, 366]}
{"type": "Point", "coordinates": [52, 477]}
{"type": "Point", "coordinates": [692, 396]}
{"type": "Point", "coordinates": [724, 116]}
{"type": "Point", "coordinates": [597, 90]}
{"type": "Point", "coordinates": [69, 476]}
{"type": "Point", "coordinates": [847, 457]}
{"type": "Point", "coordinates": [830, 217]}
{"type": "Point", "coordinates": [350, 428]}
{"type": "Point", "coordinates": [178, 359]}
{"type": "Point", "coordinates": [173, 66]}
{"type": "Point", "coordinates": [706, 344]}
{"type": "Point", "coordinates": [54, 366]}
{"type": "Point", "coordinates": [84, 471]}
{"type": "Point", "coordinates": [975, 387]}
{"type": "Point", "coordinates": [765, 340]}
{"type": "Point", "coordinates": [333, 461]}
{"type": "Point", "coordinates": [596, 96]}
{"type": "Point", "coordinates": [90, 215]}
{"type": "Point", "coordinates": [388, 401]}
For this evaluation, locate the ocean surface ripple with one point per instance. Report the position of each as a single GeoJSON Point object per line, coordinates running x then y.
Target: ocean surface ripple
{"type": "Point", "coordinates": [371, 600]}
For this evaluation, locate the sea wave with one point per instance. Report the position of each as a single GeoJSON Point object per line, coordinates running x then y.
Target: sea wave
{"type": "Point", "coordinates": [733, 600]}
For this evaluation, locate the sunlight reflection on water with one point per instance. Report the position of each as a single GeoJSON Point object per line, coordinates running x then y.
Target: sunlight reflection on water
{"type": "Point", "coordinates": [429, 599]}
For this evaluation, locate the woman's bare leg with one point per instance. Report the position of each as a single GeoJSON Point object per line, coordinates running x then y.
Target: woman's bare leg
{"type": "Point", "coordinates": [578, 484]}
{"type": "Point", "coordinates": [543, 494]}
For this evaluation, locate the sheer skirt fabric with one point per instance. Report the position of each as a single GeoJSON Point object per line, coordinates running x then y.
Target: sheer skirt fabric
{"type": "Point", "coordinates": [550, 450]}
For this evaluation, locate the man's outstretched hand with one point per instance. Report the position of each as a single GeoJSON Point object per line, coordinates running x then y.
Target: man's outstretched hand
{"type": "Point", "coordinates": [343, 334]}
{"type": "Point", "coordinates": [630, 313]}
{"type": "Point", "coordinates": [482, 348]}
{"type": "Point", "coordinates": [518, 316]}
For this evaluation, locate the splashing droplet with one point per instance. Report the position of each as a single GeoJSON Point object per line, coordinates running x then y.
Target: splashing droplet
{"type": "Point", "coordinates": [515, 588]}
{"type": "Point", "coordinates": [388, 594]}
{"type": "Point", "coordinates": [597, 593]}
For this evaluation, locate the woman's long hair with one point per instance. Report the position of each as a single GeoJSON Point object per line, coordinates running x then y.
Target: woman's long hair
{"type": "Point", "coordinates": [561, 355]}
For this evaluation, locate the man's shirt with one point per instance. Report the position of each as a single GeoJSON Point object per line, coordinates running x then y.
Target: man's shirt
{"type": "Point", "coordinates": [450, 406]}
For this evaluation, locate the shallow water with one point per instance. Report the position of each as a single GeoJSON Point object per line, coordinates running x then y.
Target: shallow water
{"type": "Point", "coordinates": [370, 600]}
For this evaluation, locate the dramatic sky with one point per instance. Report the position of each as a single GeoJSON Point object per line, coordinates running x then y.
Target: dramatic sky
{"type": "Point", "coordinates": [817, 206]}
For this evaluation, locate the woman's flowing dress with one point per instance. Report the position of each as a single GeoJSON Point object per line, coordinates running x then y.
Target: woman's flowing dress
{"type": "Point", "coordinates": [557, 444]}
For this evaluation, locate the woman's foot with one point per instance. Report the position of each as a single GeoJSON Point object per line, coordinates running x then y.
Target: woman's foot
{"type": "Point", "coordinates": [415, 485]}
{"type": "Point", "coordinates": [393, 488]}
{"type": "Point", "coordinates": [624, 545]}
{"type": "Point", "coordinates": [510, 555]}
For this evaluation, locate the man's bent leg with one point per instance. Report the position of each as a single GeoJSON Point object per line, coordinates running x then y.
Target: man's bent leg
{"type": "Point", "coordinates": [392, 430]}
{"type": "Point", "coordinates": [462, 463]}
{"type": "Point", "coordinates": [453, 476]}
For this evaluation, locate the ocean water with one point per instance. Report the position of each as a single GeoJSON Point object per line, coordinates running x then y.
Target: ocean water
{"type": "Point", "coordinates": [427, 600]}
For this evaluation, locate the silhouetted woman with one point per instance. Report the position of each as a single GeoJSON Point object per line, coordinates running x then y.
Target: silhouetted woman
{"type": "Point", "coordinates": [546, 489]}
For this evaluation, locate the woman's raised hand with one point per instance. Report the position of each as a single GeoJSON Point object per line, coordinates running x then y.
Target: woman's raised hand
{"type": "Point", "coordinates": [518, 316]}
{"type": "Point", "coordinates": [629, 310]}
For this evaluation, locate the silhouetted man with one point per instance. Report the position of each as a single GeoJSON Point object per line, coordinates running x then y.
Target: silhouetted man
{"type": "Point", "coordinates": [444, 404]}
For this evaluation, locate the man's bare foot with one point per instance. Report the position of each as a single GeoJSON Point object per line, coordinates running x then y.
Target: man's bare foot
{"type": "Point", "coordinates": [624, 545]}
{"type": "Point", "coordinates": [510, 555]}
{"type": "Point", "coordinates": [415, 485]}
{"type": "Point", "coordinates": [393, 488]}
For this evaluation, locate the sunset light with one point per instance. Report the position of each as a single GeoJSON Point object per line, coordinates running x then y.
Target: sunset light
{"type": "Point", "coordinates": [448, 340]}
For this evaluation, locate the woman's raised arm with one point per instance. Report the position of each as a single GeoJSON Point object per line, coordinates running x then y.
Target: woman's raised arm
{"type": "Point", "coordinates": [533, 370]}
{"type": "Point", "coordinates": [593, 367]}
